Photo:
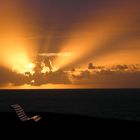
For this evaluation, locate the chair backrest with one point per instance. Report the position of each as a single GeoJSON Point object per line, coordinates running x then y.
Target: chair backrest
{"type": "Point", "coordinates": [20, 112]}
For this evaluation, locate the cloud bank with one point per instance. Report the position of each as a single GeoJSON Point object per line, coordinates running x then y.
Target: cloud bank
{"type": "Point", "coordinates": [117, 76]}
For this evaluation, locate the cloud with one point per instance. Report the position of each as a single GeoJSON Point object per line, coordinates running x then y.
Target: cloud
{"type": "Point", "coordinates": [119, 76]}
{"type": "Point", "coordinates": [120, 67]}
{"type": "Point", "coordinates": [58, 77]}
{"type": "Point", "coordinates": [90, 66]}
{"type": "Point", "coordinates": [110, 80]}
{"type": "Point", "coordinates": [55, 54]}
{"type": "Point", "coordinates": [9, 77]}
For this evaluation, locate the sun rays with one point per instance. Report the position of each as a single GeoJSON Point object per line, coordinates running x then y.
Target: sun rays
{"type": "Point", "coordinates": [39, 46]}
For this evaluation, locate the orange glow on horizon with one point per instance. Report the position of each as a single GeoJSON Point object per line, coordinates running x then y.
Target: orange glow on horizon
{"type": "Point", "coordinates": [48, 86]}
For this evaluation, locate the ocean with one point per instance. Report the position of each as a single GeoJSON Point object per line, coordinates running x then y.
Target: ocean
{"type": "Point", "coordinates": [122, 104]}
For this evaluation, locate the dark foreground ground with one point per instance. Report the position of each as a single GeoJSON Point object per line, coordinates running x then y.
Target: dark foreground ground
{"type": "Point", "coordinates": [96, 113]}
{"type": "Point", "coordinates": [66, 123]}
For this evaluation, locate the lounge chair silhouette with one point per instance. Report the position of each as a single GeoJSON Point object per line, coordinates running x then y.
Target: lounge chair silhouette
{"type": "Point", "coordinates": [22, 115]}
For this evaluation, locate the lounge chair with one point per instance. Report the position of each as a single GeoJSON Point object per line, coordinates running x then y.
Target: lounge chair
{"type": "Point", "coordinates": [22, 115]}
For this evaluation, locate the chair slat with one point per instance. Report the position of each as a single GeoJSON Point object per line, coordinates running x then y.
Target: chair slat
{"type": "Point", "coordinates": [22, 115]}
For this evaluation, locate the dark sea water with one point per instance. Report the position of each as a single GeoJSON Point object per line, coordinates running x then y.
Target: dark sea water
{"type": "Point", "coordinates": [123, 104]}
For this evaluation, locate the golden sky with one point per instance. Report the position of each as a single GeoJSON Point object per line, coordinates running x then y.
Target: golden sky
{"type": "Point", "coordinates": [62, 38]}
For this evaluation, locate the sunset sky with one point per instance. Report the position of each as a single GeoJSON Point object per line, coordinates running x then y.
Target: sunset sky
{"type": "Point", "coordinates": [69, 44]}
